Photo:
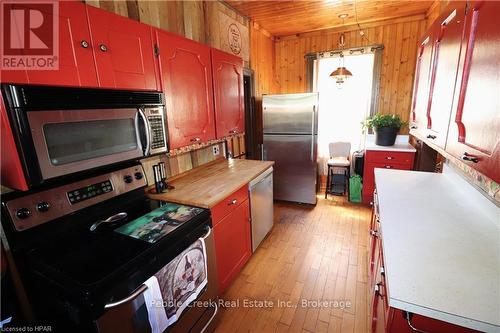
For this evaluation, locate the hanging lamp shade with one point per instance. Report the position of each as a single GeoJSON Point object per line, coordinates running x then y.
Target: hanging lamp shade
{"type": "Point", "coordinates": [341, 72]}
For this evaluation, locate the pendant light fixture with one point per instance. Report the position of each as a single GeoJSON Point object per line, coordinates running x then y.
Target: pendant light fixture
{"type": "Point", "coordinates": [341, 73]}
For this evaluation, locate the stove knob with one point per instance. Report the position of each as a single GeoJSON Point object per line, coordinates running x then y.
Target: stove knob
{"type": "Point", "coordinates": [42, 207]}
{"type": "Point", "coordinates": [128, 179]}
{"type": "Point", "coordinates": [138, 175]}
{"type": "Point", "coordinates": [23, 213]}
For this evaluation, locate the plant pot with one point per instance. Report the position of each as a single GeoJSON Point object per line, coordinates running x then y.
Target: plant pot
{"type": "Point", "coordinates": [386, 136]}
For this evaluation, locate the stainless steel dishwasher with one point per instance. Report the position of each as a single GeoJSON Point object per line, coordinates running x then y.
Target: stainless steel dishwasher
{"type": "Point", "coordinates": [261, 206]}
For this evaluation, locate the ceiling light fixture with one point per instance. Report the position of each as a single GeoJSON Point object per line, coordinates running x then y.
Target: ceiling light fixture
{"type": "Point", "coordinates": [341, 73]}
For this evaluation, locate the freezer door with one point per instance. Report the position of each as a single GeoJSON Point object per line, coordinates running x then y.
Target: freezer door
{"type": "Point", "coordinates": [290, 113]}
{"type": "Point", "coordinates": [295, 168]}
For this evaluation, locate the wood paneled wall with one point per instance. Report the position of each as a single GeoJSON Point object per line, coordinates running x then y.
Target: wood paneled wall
{"type": "Point", "coordinates": [197, 20]}
{"type": "Point", "coordinates": [262, 62]}
{"type": "Point", "coordinates": [399, 37]}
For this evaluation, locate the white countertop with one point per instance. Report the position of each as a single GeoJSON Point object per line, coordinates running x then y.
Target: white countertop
{"type": "Point", "coordinates": [441, 243]}
{"type": "Point", "coordinates": [401, 144]}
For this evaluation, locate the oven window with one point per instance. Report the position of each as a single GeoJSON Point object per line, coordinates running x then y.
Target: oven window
{"type": "Point", "coordinates": [77, 141]}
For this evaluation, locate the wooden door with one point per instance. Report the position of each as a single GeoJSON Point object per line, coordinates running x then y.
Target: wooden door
{"type": "Point", "coordinates": [186, 78]}
{"type": "Point", "coordinates": [76, 59]}
{"type": "Point", "coordinates": [448, 31]}
{"type": "Point", "coordinates": [123, 50]}
{"type": "Point", "coordinates": [418, 118]}
{"type": "Point", "coordinates": [475, 122]}
{"type": "Point", "coordinates": [232, 244]}
{"type": "Point", "coordinates": [228, 93]}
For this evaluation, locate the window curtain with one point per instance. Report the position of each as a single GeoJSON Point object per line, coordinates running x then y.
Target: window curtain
{"type": "Point", "coordinates": [342, 110]}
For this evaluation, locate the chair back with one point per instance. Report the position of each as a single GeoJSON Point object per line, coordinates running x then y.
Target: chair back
{"type": "Point", "coordinates": [340, 149]}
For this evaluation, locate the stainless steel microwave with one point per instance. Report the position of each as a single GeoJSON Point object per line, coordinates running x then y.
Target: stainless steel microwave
{"type": "Point", "coordinates": [66, 131]}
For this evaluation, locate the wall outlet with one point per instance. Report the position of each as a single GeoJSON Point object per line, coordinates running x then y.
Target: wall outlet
{"type": "Point", "coordinates": [216, 150]}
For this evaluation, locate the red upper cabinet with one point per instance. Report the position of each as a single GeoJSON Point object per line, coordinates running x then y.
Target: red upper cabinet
{"type": "Point", "coordinates": [447, 31]}
{"type": "Point", "coordinates": [418, 117]}
{"type": "Point", "coordinates": [11, 167]}
{"type": "Point", "coordinates": [124, 52]}
{"type": "Point", "coordinates": [228, 93]}
{"type": "Point", "coordinates": [187, 83]}
{"type": "Point", "coordinates": [475, 121]}
{"type": "Point", "coordinates": [76, 60]}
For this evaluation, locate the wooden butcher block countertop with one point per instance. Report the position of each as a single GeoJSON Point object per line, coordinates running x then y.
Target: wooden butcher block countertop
{"type": "Point", "coordinates": [207, 185]}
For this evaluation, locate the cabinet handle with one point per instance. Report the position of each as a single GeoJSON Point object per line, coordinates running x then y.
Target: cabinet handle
{"type": "Point", "coordinates": [196, 140]}
{"type": "Point", "coordinates": [233, 132]}
{"type": "Point", "coordinates": [377, 290]}
{"type": "Point", "coordinates": [387, 166]}
{"type": "Point", "coordinates": [103, 48]}
{"type": "Point", "coordinates": [431, 137]}
{"type": "Point", "coordinates": [232, 202]}
{"type": "Point", "coordinates": [84, 44]}
{"type": "Point", "coordinates": [470, 158]}
{"type": "Point", "coordinates": [407, 315]}
{"type": "Point", "coordinates": [382, 271]}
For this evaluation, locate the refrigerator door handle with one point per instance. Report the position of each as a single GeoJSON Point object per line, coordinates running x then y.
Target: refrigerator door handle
{"type": "Point", "coordinates": [312, 132]}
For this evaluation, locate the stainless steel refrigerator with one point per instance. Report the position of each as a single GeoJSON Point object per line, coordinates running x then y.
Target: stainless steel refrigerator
{"type": "Point", "coordinates": [290, 140]}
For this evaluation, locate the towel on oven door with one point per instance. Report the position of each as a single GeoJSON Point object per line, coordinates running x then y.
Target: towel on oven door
{"type": "Point", "coordinates": [175, 286]}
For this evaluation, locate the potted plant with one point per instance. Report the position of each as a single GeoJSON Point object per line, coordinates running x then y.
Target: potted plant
{"type": "Point", "coordinates": [386, 128]}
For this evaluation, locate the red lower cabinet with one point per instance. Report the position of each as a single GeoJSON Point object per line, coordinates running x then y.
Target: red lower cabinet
{"type": "Point", "coordinates": [384, 159]}
{"type": "Point", "coordinates": [232, 240]}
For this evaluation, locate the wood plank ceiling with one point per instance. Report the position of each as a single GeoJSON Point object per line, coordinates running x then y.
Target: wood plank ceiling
{"type": "Point", "coordinates": [284, 18]}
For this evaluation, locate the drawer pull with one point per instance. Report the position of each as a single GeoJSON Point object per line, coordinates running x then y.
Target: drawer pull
{"type": "Point", "coordinates": [470, 158]}
{"type": "Point", "coordinates": [431, 137]}
{"type": "Point", "coordinates": [387, 166]}
{"type": "Point", "coordinates": [232, 202]}
{"type": "Point", "coordinates": [407, 315]}
{"type": "Point", "coordinates": [389, 158]}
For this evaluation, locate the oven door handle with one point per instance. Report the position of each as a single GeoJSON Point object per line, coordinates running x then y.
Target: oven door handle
{"type": "Point", "coordinates": [129, 298]}
{"type": "Point", "coordinates": [146, 128]}
{"type": "Point", "coordinates": [211, 318]}
{"type": "Point", "coordinates": [207, 234]}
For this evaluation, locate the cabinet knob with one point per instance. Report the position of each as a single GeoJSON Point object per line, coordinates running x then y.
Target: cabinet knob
{"type": "Point", "coordinates": [389, 158]}
{"type": "Point", "coordinates": [103, 48]}
{"type": "Point", "coordinates": [469, 158]}
{"type": "Point", "coordinates": [84, 44]}
{"type": "Point", "coordinates": [413, 127]}
{"type": "Point", "coordinates": [232, 202]}
{"type": "Point", "coordinates": [233, 132]}
{"type": "Point", "coordinates": [195, 140]}
{"type": "Point", "coordinates": [387, 166]}
{"type": "Point", "coordinates": [431, 137]}
{"type": "Point", "coordinates": [373, 233]}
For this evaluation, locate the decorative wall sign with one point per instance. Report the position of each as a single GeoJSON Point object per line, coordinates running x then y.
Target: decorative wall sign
{"type": "Point", "coordinates": [234, 37]}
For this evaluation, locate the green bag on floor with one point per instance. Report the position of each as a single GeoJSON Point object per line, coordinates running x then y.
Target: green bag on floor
{"type": "Point", "coordinates": [355, 188]}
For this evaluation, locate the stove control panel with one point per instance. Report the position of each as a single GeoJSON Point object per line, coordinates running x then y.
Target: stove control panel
{"type": "Point", "coordinates": [89, 191]}
{"type": "Point", "coordinates": [38, 208]}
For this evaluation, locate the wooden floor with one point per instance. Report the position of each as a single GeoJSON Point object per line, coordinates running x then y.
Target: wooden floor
{"type": "Point", "coordinates": [311, 254]}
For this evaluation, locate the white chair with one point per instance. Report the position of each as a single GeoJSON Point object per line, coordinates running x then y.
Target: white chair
{"type": "Point", "coordinates": [340, 153]}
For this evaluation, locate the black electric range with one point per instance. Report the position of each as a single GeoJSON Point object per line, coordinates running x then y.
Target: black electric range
{"type": "Point", "coordinates": [71, 271]}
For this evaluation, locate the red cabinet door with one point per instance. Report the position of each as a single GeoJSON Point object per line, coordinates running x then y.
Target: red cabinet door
{"type": "Point", "coordinates": [228, 93]}
{"type": "Point", "coordinates": [76, 60]}
{"type": "Point", "coordinates": [448, 30]}
{"type": "Point", "coordinates": [232, 244]}
{"type": "Point", "coordinates": [123, 50]}
{"type": "Point", "coordinates": [11, 168]}
{"type": "Point", "coordinates": [475, 121]}
{"type": "Point", "coordinates": [186, 78]}
{"type": "Point", "coordinates": [418, 118]}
